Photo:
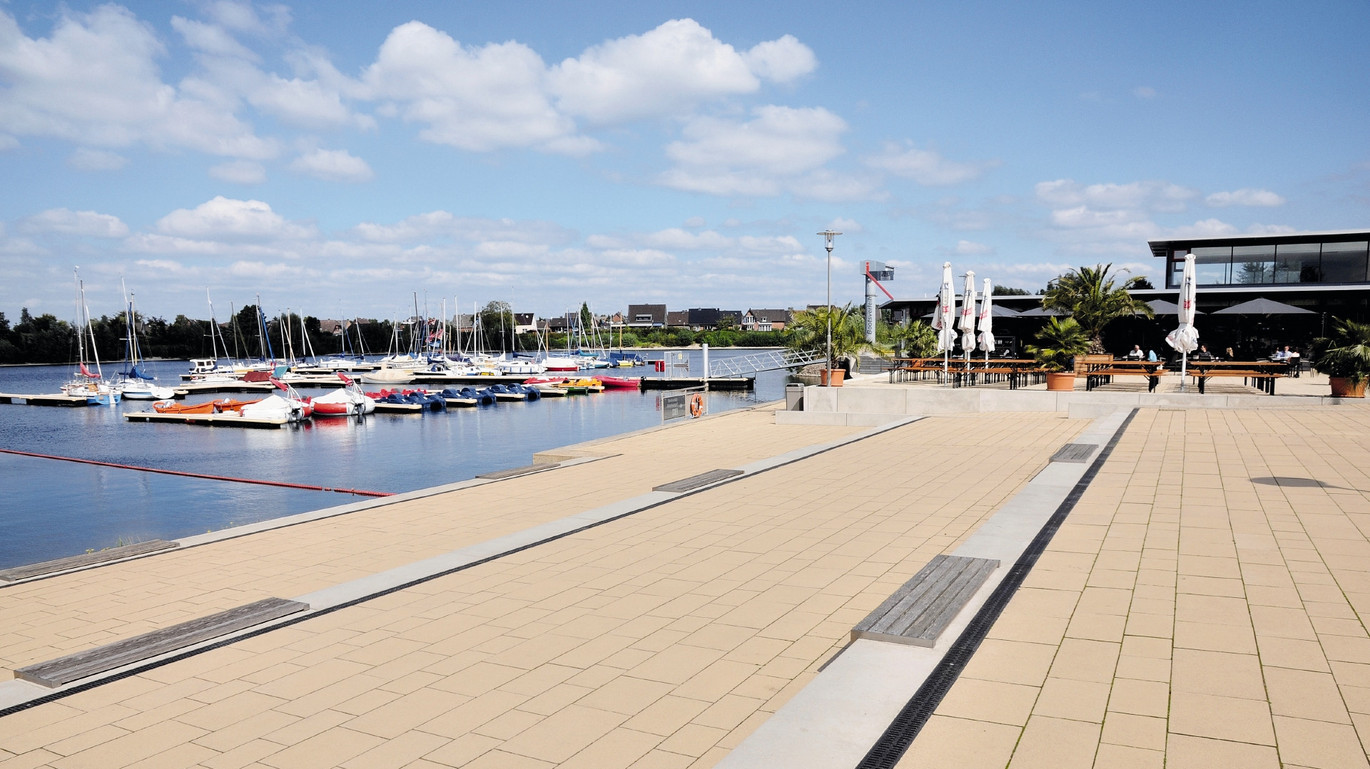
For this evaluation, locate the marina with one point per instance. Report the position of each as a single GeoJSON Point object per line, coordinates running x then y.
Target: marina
{"type": "Point", "coordinates": [57, 509]}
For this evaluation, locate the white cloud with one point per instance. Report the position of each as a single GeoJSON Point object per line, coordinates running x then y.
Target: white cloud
{"type": "Point", "coordinates": [228, 219]}
{"type": "Point", "coordinates": [971, 248]}
{"type": "Point", "coordinates": [1147, 196]}
{"type": "Point", "coordinates": [95, 81]}
{"type": "Point", "coordinates": [239, 172]}
{"type": "Point", "coordinates": [781, 60]}
{"type": "Point", "coordinates": [925, 166]}
{"type": "Point", "coordinates": [477, 99]}
{"type": "Point", "coordinates": [210, 39]}
{"type": "Point", "coordinates": [1244, 197]}
{"type": "Point", "coordinates": [80, 223]}
{"type": "Point", "coordinates": [668, 71]}
{"type": "Point", "coordinates": [780, 148]}
{"type": "Point", "coordinates": [8, 142]}
{"type": "Point", "coordinates": [333, 166]}
{"type": "Point", "coordinates": [87, 159]}
{"type": "Point", "coordinates": [1144, 92]}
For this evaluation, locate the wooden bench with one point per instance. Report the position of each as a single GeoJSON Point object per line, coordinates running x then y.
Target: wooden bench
{"type": "Point", "coordinates": [85, 559]}
{"type": "Point", "coordinates": [1104, 373]}
{"type": "Point", "coordinates": [924, 606]}
{"type": "Point", "coordinates": [698, 481]}
{"type": "Point", "coordinates": [74, 667]}
{"type": "Point", "coordinates": [1262, 380]}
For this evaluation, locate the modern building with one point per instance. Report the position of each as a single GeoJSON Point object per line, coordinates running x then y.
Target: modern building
{"type": "Point", "coordinates": [1320, 275]}
{"type": "Point", "coordinates": [1327, 273]}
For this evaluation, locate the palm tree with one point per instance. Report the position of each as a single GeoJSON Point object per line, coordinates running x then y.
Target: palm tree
{"type": "Point", "coordinates": [914, 337]}
{"type": "Point", "coordinates": [1092, 298]}
{"type": "Point", "coordinates": [808, 331]}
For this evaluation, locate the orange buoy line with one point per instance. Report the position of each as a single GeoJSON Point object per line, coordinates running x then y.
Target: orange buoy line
{"type": "Point", "coordinates": [358, 492]}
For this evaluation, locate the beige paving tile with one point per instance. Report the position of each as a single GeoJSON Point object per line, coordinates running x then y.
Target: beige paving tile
{"type": "Point", "coordinates": [961, 742]}
{"type": "Point", "coordinates": [1318, 743]}
{"type": "Point", "coordinates": [1056, 742]}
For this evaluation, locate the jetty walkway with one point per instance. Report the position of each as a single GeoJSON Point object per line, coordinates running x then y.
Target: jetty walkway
{"type": "Point", "coordinates": [686, 596]}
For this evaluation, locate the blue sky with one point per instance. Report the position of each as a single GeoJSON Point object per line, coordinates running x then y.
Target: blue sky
{"type": "Point", "coordinates": [336, 158]}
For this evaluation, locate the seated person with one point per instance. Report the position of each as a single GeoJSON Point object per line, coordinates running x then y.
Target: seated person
{"type": "Point", "coordinates": [1135, 353]}
{"type": "Point", "coordinates": [1203, 353]}
{"type": "Point", "coordinates": [1151, 356]}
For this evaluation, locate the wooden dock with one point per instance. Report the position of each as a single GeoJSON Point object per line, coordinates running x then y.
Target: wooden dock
{"type": "Point", "coordinates": [714, 383]}
{"type": "Point", "coordinates": [57, 399]}
{"type": "Point", "coordinates": [226, 419]}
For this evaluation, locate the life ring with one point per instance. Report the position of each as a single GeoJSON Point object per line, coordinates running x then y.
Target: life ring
{"type": "Point", "coordinates": [696, 405]}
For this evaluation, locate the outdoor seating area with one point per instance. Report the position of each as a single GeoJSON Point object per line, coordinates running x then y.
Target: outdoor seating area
{"type": "Point", "coordinates": [960, 372]}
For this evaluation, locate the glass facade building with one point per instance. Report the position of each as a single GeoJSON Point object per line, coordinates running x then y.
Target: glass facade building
{"type": "Point", "coordinates": [1300, 259]}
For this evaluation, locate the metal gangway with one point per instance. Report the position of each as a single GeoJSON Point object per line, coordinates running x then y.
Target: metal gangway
{"type": "Point", "coordinates": [770, 360]}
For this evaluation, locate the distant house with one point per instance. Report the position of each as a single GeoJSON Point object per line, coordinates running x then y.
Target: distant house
{"type": "Point", "coordinates": [332, 327]}
{"type": "Point", "coordinates": [646, 315]}
{"type": "Point", "coordinates": [524, 322]}
{"type": "Point", "coordinates": [701, 318]}
{"type": "Point", "coordinates": [678, 318]}
{"type": "Point", "coordinates": [765, 320]}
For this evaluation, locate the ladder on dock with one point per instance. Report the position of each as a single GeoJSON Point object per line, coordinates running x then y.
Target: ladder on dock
{"type": "Point", "coordinates": [771, 360]}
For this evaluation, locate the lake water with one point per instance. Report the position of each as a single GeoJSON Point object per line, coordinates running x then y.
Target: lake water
{"type": "Point", "coordinates": [51, 508]}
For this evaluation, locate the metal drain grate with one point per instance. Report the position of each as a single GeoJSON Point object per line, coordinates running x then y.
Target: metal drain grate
{"type": "Point", "coordinates": [697, 481]}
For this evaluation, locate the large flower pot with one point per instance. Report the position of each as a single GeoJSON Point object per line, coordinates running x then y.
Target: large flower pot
{"type": "Point", "coordinates": [1343, 387]}
{"type": "Point", "coordinates": [831, 377]}
{"type": "Point", "coordinates": [1061, 381]}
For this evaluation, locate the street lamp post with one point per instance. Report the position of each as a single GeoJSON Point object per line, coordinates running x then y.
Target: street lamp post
{"type": "Point", "coordinates": [828, 236]}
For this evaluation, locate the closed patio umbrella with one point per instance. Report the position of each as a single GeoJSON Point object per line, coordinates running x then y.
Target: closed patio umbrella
{"type": "Point", "coordinates": [1162, 307]}
{"type": "Point", "coordinates": [1185, 338]}
{"type": "Point", "coordinates": [941, 320]}
{"type": "Point", "coordinates": [967, 320]}
{"type": "Point", "coordinates": [987, 320]}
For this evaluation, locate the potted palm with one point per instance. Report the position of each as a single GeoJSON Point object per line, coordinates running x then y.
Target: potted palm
{"type": "Point", "coordinates": [1344, 357]}
{"type": "Point", "coordinates": [808, 332]}
{"type": "Point", "coordinates": [1057, 345]}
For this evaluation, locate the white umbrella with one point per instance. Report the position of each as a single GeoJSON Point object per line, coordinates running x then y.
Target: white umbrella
{"type": "Point", "coordinates": [986, 321]}
{"type": "Point", "coordinates": [941, 319]}
{"type": "Point", "coordinates": [967, 320]}
{"type": "Point", "coordinates": [1186, 337]}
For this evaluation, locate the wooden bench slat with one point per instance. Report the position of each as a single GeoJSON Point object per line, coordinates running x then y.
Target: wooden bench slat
{"type": "Point", "coordinates": [73, 667]}
{"type": "Point", "coordinates": [933, 621]}
{"type": "Point", "coordinates": [697, 481]}
{"type": "Point", "coordinates": [925, 605]}
{"type": "Point", "coordinates": [85, 559]}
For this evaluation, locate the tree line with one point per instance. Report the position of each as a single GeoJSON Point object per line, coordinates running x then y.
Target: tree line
{"type": "Point", "coordinates": [48, 339]}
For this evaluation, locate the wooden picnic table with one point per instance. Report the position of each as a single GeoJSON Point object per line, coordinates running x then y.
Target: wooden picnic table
{"type": "Point", "coordinates": [1099, 370]}
{"type": "Point", "coordinates": [1258, 373]}
{"type": "Point", "coordinates": [959, 371]}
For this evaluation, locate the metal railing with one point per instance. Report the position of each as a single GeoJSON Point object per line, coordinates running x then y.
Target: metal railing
{"type": "Point", "coordinates": [762, 361]}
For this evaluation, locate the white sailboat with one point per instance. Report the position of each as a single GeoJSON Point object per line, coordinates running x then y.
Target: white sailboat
{"type": "Point", "coordinates": [86, 383]}
{"type": "Point", "coordinates": [134, 382]}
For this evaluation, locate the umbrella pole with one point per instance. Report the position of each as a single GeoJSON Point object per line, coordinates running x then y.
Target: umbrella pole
{"type": "Point", "coordinates": [1184, 363]}
{"type": "Point", "coordinates": [946, 367]}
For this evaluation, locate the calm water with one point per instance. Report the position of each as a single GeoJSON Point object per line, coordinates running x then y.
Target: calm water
{"type": "Point", "coordinates": [53, 508]}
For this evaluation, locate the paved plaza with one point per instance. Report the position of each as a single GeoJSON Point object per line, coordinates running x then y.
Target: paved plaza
{"type": "Point", "coordinates": [1200, 605]}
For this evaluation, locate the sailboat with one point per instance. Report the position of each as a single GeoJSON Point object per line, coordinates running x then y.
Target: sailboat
{"type": "Point", "coordinates": [86, 383]}
{"type": "Point", "coordinates": [211, 369]}
{"type": "Point", "coordinates": [134, 382]}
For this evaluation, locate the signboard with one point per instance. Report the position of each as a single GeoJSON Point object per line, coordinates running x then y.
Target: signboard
{"type": "Point", "coordinates": [674, 406]}
{"type": "Point", "coordinates": [684, 403]}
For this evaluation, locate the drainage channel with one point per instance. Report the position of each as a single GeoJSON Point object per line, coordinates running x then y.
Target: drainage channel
{"type": "Point", "coordinates": [899, 735]}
